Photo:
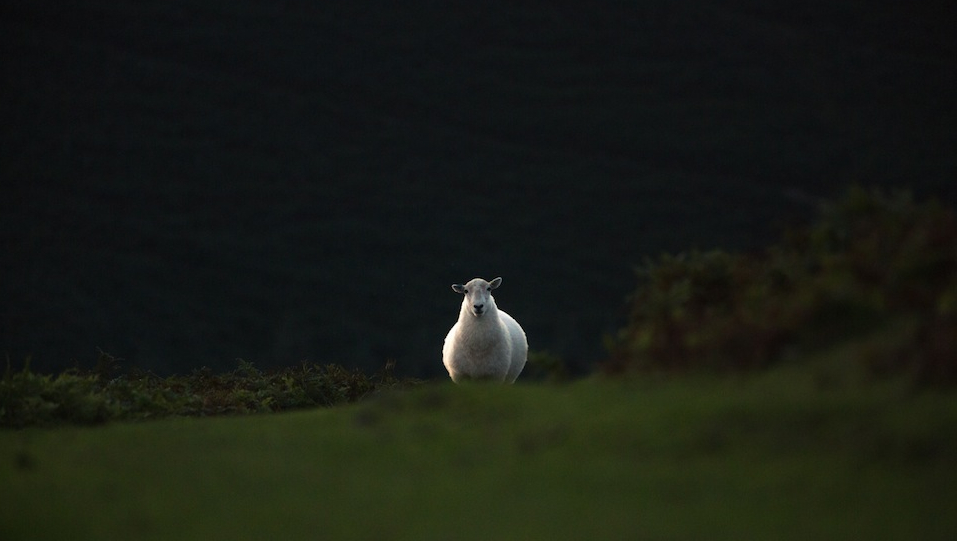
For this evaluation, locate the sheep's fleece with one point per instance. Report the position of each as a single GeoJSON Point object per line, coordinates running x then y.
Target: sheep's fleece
{"type": "Point", "coordinates": [485, 343]}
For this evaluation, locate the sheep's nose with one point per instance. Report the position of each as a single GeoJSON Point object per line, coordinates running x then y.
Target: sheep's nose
{"type": "Point", "coordinates": [478, 307]}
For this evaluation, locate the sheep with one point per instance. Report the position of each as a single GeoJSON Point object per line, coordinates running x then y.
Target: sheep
{"type": "Point", "coordinates": [485, 343]}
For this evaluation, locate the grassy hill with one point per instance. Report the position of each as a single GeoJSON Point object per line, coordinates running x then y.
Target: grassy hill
{"type": "Point", "coordinates": [775, 456]}
{"type": "Point", "coordinates": [188, 183]}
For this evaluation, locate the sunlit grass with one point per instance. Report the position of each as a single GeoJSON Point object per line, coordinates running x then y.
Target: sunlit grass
{"type": "Point", "coordinates": [759, 457]}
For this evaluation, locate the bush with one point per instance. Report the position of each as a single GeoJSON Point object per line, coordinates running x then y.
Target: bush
{"type": "Point", "coordinates": [76, 397]}
{"type": "Point", "coordinates": [872, 263]}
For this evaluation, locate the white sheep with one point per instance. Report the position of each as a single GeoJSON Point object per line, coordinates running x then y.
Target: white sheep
{"type": "Point", "coordinates": [485, 343]}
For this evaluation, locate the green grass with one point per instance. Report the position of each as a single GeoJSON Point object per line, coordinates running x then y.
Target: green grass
{"type": "Point", "coordinates": [773, 456]}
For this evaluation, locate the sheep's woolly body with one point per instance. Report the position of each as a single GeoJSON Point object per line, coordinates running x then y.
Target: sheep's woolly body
{"type": "Point", "coordinates": [489, 344]}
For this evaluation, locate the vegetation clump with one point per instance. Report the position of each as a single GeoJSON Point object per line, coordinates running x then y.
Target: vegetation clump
{"type": "Point", "coordinates": [91, 397]}
{"type": "Point", "coordinates": [876, 270]}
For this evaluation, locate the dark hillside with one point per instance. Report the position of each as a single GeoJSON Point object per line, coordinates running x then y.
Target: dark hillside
{"type": "Point", "coordinates": [185, 183]}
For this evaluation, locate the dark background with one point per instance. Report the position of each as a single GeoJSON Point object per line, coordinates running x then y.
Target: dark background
{"type": "Point", "coordinates": [188, 182]}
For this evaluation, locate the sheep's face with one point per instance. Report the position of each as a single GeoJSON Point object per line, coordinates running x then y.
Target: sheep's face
{"type": "Point", "coordinates": [478, 295]}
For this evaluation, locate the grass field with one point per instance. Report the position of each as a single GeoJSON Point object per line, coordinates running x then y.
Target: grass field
{"type": "Point", "coordinates": [789, 454]}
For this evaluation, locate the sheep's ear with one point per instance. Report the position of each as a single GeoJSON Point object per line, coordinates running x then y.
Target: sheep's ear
{"type": "Point", "coordinates": [458, 288]}
{"type": "Point", "coordinates": [495, 283]}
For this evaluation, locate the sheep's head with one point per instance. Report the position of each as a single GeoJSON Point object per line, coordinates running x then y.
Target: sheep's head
{"type": "Point", "coordinates": [478, 294]}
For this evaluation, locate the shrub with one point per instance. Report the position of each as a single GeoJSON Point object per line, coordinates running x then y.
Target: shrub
{"type": "Point", "coordinates": [872, 263]}
{"type": "Point", "coordinates": [77, 397]}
